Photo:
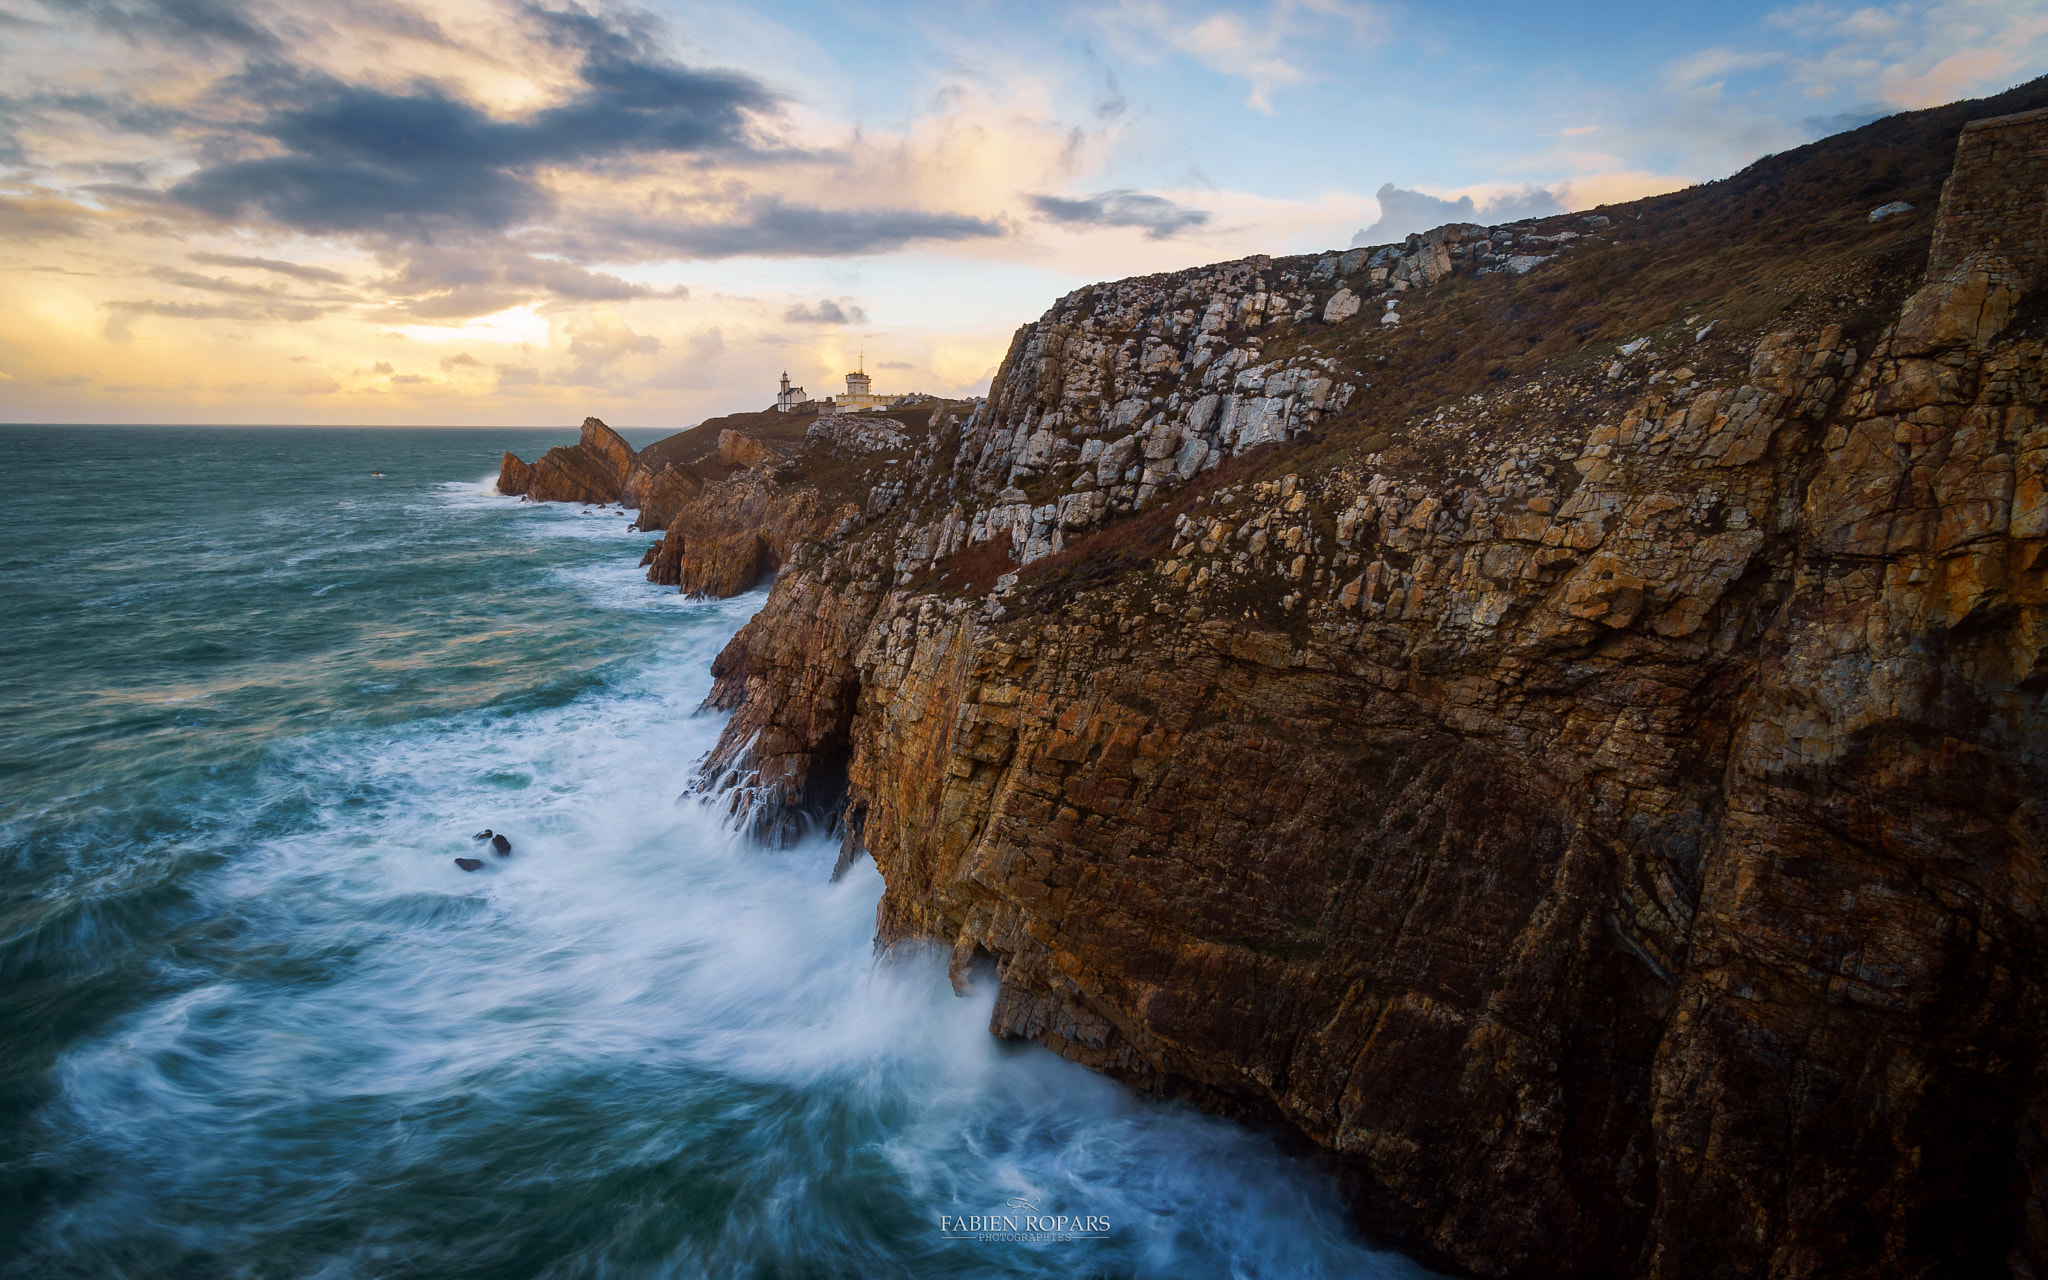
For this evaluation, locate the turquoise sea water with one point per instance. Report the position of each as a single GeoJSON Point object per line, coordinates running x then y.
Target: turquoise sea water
{"type": "Point", "coordinates": [255, 1022]}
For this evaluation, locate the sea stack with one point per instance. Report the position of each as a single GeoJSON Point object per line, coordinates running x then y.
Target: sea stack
{"type": "Point", "coordinates": [592, 470]}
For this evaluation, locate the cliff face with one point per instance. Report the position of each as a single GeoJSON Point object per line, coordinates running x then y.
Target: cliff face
{"type": "Point", "coordinates": [1599, 801]}
{"type": "Point", "coordinates": [1553, 713]}
{"type": "Point", "coordinates": [731, 533]}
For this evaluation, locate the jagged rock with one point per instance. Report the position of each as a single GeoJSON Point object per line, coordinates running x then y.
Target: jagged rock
{"type": "Point", "coordinates": [666, 493]}
{"type": "Point", "coordinates": [501, 846]}
{"type": "Point", "coordinates": [1342, 305]}
{"type": "Point", "coordinates": [470, 864]}
{"type": "Point", "coordinates": [726, 537]}
{"type": "Point", "coordinates": [592, 470]}
{"type": "Point", "coordinates": [858, 433]}
{"type": "Point", "coordinates": [514, 476]}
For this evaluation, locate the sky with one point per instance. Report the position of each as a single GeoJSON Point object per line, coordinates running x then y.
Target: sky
{"type": "Point", "coordinates": [522, 212]}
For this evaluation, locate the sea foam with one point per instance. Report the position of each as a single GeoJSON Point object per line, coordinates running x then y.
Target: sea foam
{"type": "Point", "coordinates": [639, 1045]}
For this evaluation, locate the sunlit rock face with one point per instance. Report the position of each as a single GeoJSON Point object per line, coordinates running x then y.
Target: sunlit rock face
{"type": "Point", "coordinates": [594, 469]}
{"type": "Point", "coordinates": [1599, 801]}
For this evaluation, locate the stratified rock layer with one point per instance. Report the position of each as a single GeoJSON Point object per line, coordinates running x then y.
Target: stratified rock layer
{"type": "Point", "coordinates": [1603, 808]}
{"type": "Point", "coordinates": [594, 469]}
{"type": "Point", "coordinates": [514, 476]}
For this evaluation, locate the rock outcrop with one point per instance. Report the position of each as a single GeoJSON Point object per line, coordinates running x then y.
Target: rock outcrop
{"type": "Point", "coordinates": [594, 469]}
{"type": "Point", "coordinates": [730, 536]}
{"type": "Point", "coordinates": [1575, 756]}
{"type": "Point", "coordinates": [514, 476]}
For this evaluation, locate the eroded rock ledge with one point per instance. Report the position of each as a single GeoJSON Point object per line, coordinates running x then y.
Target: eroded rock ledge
{"type": "Point", "coordinates": [1599, 801]}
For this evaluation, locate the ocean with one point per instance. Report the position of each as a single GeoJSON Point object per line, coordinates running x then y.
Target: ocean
{"type": "Point", "coordinates": [254, 1020]}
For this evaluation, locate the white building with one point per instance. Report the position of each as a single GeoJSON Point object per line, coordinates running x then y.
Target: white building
{"type": "Point", "coordinates": [789, 399]}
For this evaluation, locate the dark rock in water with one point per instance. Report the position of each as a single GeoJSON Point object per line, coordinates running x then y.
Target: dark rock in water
{"type": "Point", "coordinates": [470, 864]}
{"type": "Point", "coordinates": [502, 845]}
{"type": "Point", "coordinates": [485, 834]}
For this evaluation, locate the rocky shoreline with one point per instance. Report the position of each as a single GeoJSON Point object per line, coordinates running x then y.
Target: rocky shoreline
{"type": "Point", "coordinates": [1573, 752]}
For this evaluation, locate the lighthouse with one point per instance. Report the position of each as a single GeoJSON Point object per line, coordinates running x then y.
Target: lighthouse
{"type": "Point", "coordinates": [860, 390]}
{"type": "Point", "coordinates": [789, 398]}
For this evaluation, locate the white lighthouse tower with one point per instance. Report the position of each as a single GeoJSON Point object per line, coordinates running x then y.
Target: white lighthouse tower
{"type": "Point", "coordinates": [788, 398]}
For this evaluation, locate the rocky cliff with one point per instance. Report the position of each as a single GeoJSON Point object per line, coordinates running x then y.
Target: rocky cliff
{"type": "Point", "coordinates": [1552, 713]}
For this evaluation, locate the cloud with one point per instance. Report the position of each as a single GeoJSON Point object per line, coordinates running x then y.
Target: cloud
{"type": "Point", "coordinates": [599, 341]}
{"type": "Point", "coordinates": [826, 312]}
{"type": "Point", "coordinates": [37, 215]}
{"type": "Point", "coordinates": [768, 226]}
{"type": "Point", "coordinates": [517, 162]}
{"type": "Point", "coordinates": [314, 152]}
{"type": "Point", "coordinates": [215, 284]}
{"type": "Point", "coordinates": [430, 173]}
{"type": "Point", "coordinates": [353, 158]}
{"type": "Point", "coordinates": [1404, 212]}
{"type": "Point", "coordinates": [694, 370]}
{"type": "Point", "coordinates": [1270, 47]}
{"type": "Point", "coordinates": [1903, 55]}
{"type": "Point", "coordinates": [463, 277]}
{"type": "Point", "coordinates": [460, 360]}
{"type": "Point", "coordinates": [1953, 77]}
{"type": "Point", "coordinates": [895, 364]}
{"type": "Point", "coordinates": [314, 275]}
{"type": "Point", "coordinates": [190, 23]}
{"type": "Point", "coordinates": [1711, 65]}
{"type": "Point", "coordinates": [1157, 216]}
{"type": "Point", "coordinates": [246, 312]}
